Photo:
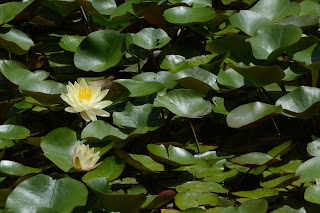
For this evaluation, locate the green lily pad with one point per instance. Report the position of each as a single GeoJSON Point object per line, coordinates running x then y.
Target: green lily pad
{"type": "Point", "coordinates": [288, 209]}
{"type": "Point", "coordinates": [288, 168]}
{"type": "Point", "coordinates": [277, 181]}
{"type": "Point", "coordinates": [99, 184]}
{"type": "Point", "coordinates": [252, 159]}
{"type": "Point", "coordinates": [71, 42]}
{"type": "Point", "coordinates": [194, 3]}
{"type": "Point", "coordinates": [309, 170]}
{"type": "Point", "coordinates": [13, 132]}
{"type": "Point", "coordinates": [197, 79]}
{"type": "Point", "coordinates": [99, 51]}
{"type": "Point", "coordinates": [140, 88]}
{"type": "Point", "coordinates": [102, 131]}
{"type": "Point", "coordinates": [110, 168]}
{"type": "Point", "coordinates": [249, 206]}
{"type": "Point", "coordinates": [276, 10]}
{"type": "Point", "coordinates": [310, 7]}
{"type": "Point", "coordinates": [150, 38]}
{"type": "Point", "coordinates": [301, 102]}
{"type": "Point", "coordinates": [249, 21]}
{"type": "Point", "coordinates": [9, 10]}
{"type": "Point", "coordinates": [230, 78]}
{"type": "Point", "coordinates": [156, 201]}
{"type": "Point", "coordinates": [184, 102]}
{"type": "Point", "coordinates": [257, 193]}
{"type": "Point", "coordinates": [187, 15]}
{"type": "Point", "coordinates": [58, 146]}
{"type": "Point", "coordinates": [313, 148]}
{"type": "Point", "coordinates": [312, 194]}
{"type": "Point", "coordinates": [189, 200]}
{"type": "Point", "coordinates": [15, 41]}
{"type": "Point", "coordinates": [238, 118]}
{"type": "Point", "coordinates": [104, 7]}
{"type": "Point", "coordinates": [141, 162]}
{"type": "Point", "coordinates": [215, 175]}
{"type": "Point", "coordinates": [6, 143]}
{"type": "Point", "coordinates": [279, 150]}
{"type": "Point", "coordinates": [174, 63]}
{"type": "Point", "coordinates": [42, 191]}
{"type": "Point", "coordinates": [16, 169]}
{"type": "Point", "coordinates": [199, 186]}
{"type": "Point", "coordinates": [266, 41]}
{"type": "Point", "coordinates": [163, 77]}
{"type": "Point", "coordinates": [300, 21]}
{"type": "Point", "coordinates": [139, 116]}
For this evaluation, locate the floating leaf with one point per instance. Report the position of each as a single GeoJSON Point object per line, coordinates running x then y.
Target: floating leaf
{"type": "Point", "coordinates": [250, 206]}
{"type": "Point", "coordinates": [198, 186]}
{"type": "Point", "coordinates": [9, 10]}
{"type": "Point", "coordinates": [302, 102]}
{"type": "Point", "coordinates": [300, 21]}
{"type": "Point", "coordinates": [310, 7]}
{"type": "Point", "coordinates": [140, 88]}
{"type": "Point", "coordinates": [249, 21]}
{"type": "Point", "coordinates": [277, 181]}
{"type": "Point", "coordinates": [252, 159]}
{"type": "Point", "coordinates": [186, 15]}
{"type": "Point", "coordinates": [174, 63]}
{"type": "Point", "coordinates": [13, 132]}
{"type": "Point", "coordinates": [139, 116]}
{"type": "Point", "coordinates": [159, 200]}
{"type": "Point", "coordinates": [312, 194]}
{"type": "Point", "coordinates": [110, 168]}
{"type": "Point", "coordinates": [238, 118]}
{"type": "Point", "coordinates": [42, 191]}
{"type": "Point", "coordinates": [58, 146]}
{"type": "Point", "coordinates": [99, 51]}
{"type": "Point", "coordinates": [184, 102]}
{"type": "Point", "coordinates": [230, 78]}
{"type": "Point", "coordinates": [163, 77]}
{"type": "Point", "coordinates": [150, 38]}
{"type": "Point", "coordinates": [276, 10]}
{"type": "Point", "coordinates": [288, 168]}
{"type": "Point", "coordinates": [6, 143]}
{"type": "Point", "coordinates": [102, 131]}
{"type": "Point", "coordinates": [313, 148]}
{"type": "Point", "coordinates": [189, 200]}
{"type": "Point", "coordinates": [104, 7]}
{"type": "Point", "coordinates": [309, 170]}
{"type": "Point", "coordinates": [257, 193]}
{"type": "Point", "coordinates": [194, 3]}
{"type": "Point", "coordinates": [16, 169]}
{"type": "Point", "coordinates": [71, 42]}
{"type": "Point", "coordinates": [266, 41]}
{"type": "Point", "coordinates": [15, 41]}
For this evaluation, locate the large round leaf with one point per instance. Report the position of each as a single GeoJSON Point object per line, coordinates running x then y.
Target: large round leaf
{"type": "Point", "coordinates": [16, 169]}
{"type": "Point", "coordinates": [139, 116]}
{"type": "Point", "coordinates": [310, 7]}
{"type": "Point", "coordinates": [252, 159]}
{"type": "Point", "coordinates": [163, 77]}
{"type": "Point", "coordinates": [309, 170]}
{"type": "Point", "coordinates": [240, 118]}
{"type": "Point", "coordinates": [140, 88]}
{"type": "Point", "coordinates": [9, 10]}
{"type": "Point", "coordinates": [301, 102]}
{"type": "Point", "coordinates": [273, 37]}
{"type": "Point", "coordinates": [150, 38]}
{"type": "Point", "coordinates": [194, 3]}
{"type": "Point", "coordinates": [184, 102]}
{"type": "Point", "coordinates": [15, 41]}
{"type": "Point", "coordinates": [42, 191]}
{"type": "Point", "coordinates": [105, 7]}
{"type": "Point", "coordinates": [313, 148]}
{"type": "Point", "coordinates": [189, 200]}
{"type": "Point", "coordinates": [110, 168]}
{"type": "Point", "coordinates": [58, 145]}
{"type": "Point", "coordinates": [260, 75]}
{"type": "Point", "coordinates": [102, 131]}
{"type": "Point", "coordinates": [249, 21]}
{"type": "Point", "coordinates": [275, 9]}
{"type": "Point", "coordinates": [13, 132]}
{"type": "Point", "coordinates": [99, 51]}
{"type": "Point", "coordinates": [186, 15]}
{"type": "Point", "coordinates": [312, 194]}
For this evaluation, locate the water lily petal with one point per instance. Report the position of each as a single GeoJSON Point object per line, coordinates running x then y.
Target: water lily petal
{"type": "Point", "coordinates": [91, 115]}
{"type": "Point", "coordinates": [85, 116]}
{"type": "Point", "coordinates": [101, 112]}
{"type": "Point", "coordinates": [103, 104]}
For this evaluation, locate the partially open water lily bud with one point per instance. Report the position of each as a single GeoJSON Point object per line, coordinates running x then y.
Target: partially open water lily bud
{"type": "Point", "coordinates": [84, 158]}
{"type": "Point", "coordinates": [87, 100]}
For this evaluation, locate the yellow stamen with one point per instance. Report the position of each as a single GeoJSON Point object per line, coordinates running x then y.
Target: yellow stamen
{"type": "Point", "coordinates": [84, 93]}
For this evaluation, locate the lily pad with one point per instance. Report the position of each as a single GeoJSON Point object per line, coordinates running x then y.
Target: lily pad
{"type": "Point", "coordinates": [140, 88]}
{"type": "Point", "coordinates": [252, 159]}
{"type": "Point", "coordinates": [16, 169]}
{"type": "Point", "coordinates": [184, 102]}
{"type": "Point", "coordinates": [312, 194]}
{"type": "Point", "coordinates": [58, 146]}
{"type": "Point", "coordinates": [110, 168]}
{"type": "Point", "coordinates": [194, 3]}
{"type": "Point", "coordinates": [163, 77]}
{"type": "Point", "coordinates": [99, 51]}
{"type": "Point", "coordinates": [257, 193]}
{"type": "Point", "coordinates": [277, 181]}
{"type": "Point", "coordinates": [198, 186]}
{"type": "Point", "coordinates": [238, 118]}
{"type": "Point", "coordinates": [150, 38]}
{"type": "Point", "coordinates": [313, 148]}
{"type": "Point", "coordinates": [13, 132]}
{"type": "Point", "coordinates": [71, 42]}
{"type": "Point", "coordinates": [186, 15]}
{"type": "Point", "coordinates": [309, 170]}
{"type": "Point", "coordinates": [288, 168]}
{"type": "Point", "coordinates": [174, 63]}
{"type": "Point", "coordinates": [249, 206]}
{"type": "Point", "coordinates": [189, 200]}
{"type": "Point", "coordinates": [15, 41]}
{"type": "Point", "coordinates": [302, 102]}
{"type": "Point", "coordinates": [230, 78]}
{"type": "Point", "coordinates": [9, 10]}
{"type": "Point", "coordinates": [42, 191]}
{"type": "Point", "coordinates": [139, 116]}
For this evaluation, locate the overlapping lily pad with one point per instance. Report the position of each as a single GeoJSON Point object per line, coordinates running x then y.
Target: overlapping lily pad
{"type": "Point", "coordinates": [16, 169]}
{"type": "Point", "coordinates": [151, 38]}
{"type": "Point", "coordinates": [140, 88]}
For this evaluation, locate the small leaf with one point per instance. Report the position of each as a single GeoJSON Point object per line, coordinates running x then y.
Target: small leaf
{"type": "Point", "coordinates": [186, 15]}
{"type": "Point", "coordinates": [189, 200]}
{"type": "Point", "coordinates": [140, 88]}
{"type": "Point", "coordinates": [150, 38]}
{"type": "Point", "coordinates": [71, 42]}
{"type": "Point", "coordinates": [309, 170]}
{"type": "Point", "coordinates": [257, 193]}
{"type": "Point", "coordinates": [15, 41]}
{"type": "Point", "coordinates": [16, 169]}
{"type": "Point", "coordinates": [313, 148]}
{"type": "Point", "coordinates": [184, 102]}
{"type": "Point", "coordinates": [198, 186]}
{"type": "Point", "coordinates": [163, 77]}
{"type": "Point", "coordinates": [13, 132]}
{"type": "Point", "coordinates": [252, 159]}
{"type": "Point", "coordinates": [312, 194]}
{"type": "Point", "coordinates": [239, 118]}
{"type": "Point", "coordinates": [273, 183]}
{"type": "Point", "coordinates": [9, 10]}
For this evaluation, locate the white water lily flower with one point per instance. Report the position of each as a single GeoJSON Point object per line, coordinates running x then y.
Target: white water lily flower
{"type": "Point", "coordinates": [84, 158]}
{"type": "Point", "coordinates": [86, 99]}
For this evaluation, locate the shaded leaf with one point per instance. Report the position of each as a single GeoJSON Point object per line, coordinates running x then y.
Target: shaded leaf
{"type": "Point", "coordinates": [186, 15]}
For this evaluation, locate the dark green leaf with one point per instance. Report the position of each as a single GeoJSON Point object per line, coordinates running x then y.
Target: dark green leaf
{"type": "Point", "coordinates": [186, 15]}
{"type": "Point", "coordinates": [150, 38]}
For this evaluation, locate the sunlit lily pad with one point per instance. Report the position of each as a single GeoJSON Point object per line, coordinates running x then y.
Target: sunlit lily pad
{"type": "Point", "coordinates": [150, 38]}
{"type": "Point", "coordinates": [185, 15]}
{"type": "Point", "coordinates": [252, 159]}
{"type": "Point", "coordinates": [257, 193]}
{"type": "Point", "coordinates": [189, 200]}
{"type": "Point", "coordinates": [16, 169]}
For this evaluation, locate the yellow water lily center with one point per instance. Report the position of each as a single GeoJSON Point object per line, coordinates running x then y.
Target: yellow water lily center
{"type": "Point", "coordinates": [88, 100]}
{"type": "Point", "coordinates": [84, 158]}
